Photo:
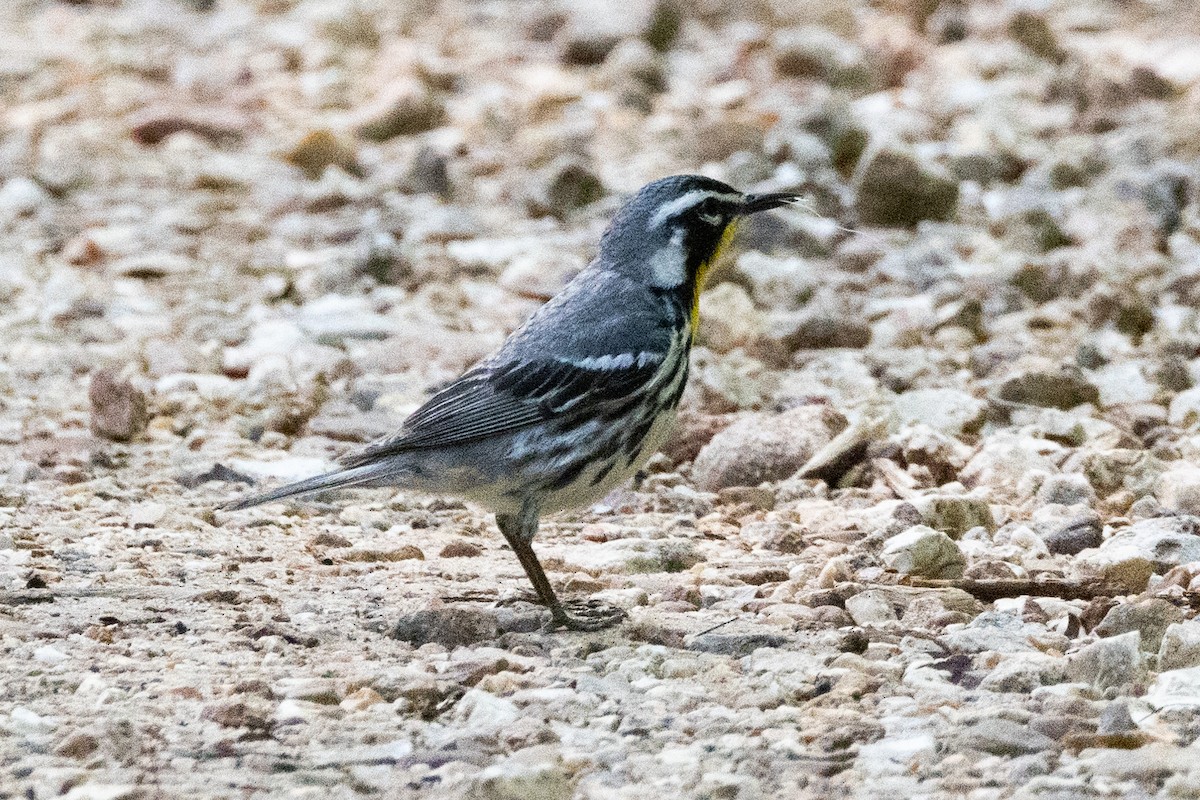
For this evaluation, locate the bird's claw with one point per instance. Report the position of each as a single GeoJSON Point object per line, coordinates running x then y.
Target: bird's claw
{"type": "Point", "coordinates": [585, 615]}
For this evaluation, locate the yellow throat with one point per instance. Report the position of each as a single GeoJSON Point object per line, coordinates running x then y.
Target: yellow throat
{"type": "Point", "coordinates": [702, 273]}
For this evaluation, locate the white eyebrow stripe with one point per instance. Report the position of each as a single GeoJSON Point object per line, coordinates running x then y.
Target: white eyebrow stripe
{"type": "Point", "coordinates": [687, 201]}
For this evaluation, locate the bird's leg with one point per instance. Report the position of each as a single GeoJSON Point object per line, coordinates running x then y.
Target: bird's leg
{"type": "Point", "coordinates": [518, 530]}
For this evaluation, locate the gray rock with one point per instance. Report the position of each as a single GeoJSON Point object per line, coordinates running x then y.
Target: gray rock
{"type": "Point", "coordinates": [765, 448]}
{"type": "Point", "coordinates": [894, 187]}
{"type": "Point", "coordinates": [954, 514]}
{"type": "Point", "coordinates": [1109, 663]}
{"type": "Point", "coordinates": [563, 187]}
{"type": "Point", "coordinates": [1176, 687]}
{"type": "Point", "coordinates": [1032, 30]}
{"type": "Point", "coordinates": [993, 630]}
{"type": "Point", "coordinates": [450, 627]}
{"type": "Point", "coordinates": [1024, 672]}
{"type": "Point", "coordinates": [1149, 617]}
{"type": "Point", "coordinates": [1063, 388]}
{"type": "Point", "coordinates": [1067, 490]}
{"type": "Point", "coordinates": [1180, 647]}
{"type": "Point", "coordinates": [924, 552]}
{"type": "Point", "coordinates": [734, 644]}
{"type": "Point", "coordinates": [118, 408]}
{"type": "Point", "coordinates": [1115, 718]}
{"type": "Point", "coordinates": [1003, 737]}
{"type": "Point", "coordinates": [1075, 536]}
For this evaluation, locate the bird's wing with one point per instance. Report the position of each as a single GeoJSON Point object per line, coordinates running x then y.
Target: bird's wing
{"type": "Point", "coordinates": [500, 397]}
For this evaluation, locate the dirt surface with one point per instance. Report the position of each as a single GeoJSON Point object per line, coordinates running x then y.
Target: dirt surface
{"type": "Point", "coordinates": [930, 526]}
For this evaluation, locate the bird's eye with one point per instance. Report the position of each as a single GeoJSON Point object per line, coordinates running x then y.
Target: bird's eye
{"type": "Point", "coordinates": [709, 212]}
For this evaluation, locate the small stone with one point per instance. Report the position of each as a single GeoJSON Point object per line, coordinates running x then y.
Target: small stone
{"type": "Point", "coordinates": [77, 745]}
{"type": "Point", "coordinates": [816, 52]}
{"type": "Point", "coordinates": [1175, 688]}
{"type": "Point", "coordinates": [1184, 410]}
{"type": "Point", "coordinates": [1178, 489]}
{"type": "Point", "coordinates": [1108, 663]}
{"type": "Point", "coordinates": [953, 514]}
{"type": "Point", "coordinates": [1115, 718]}
{"type": "Point", "coordinates": [819, 328]}
{"type": "Point", "coordinates": [47, 654]}
{"type": "Point", "coordinates": [118, 408]}
{"type": "Point", "coordinates": [1148, 617]}
{"type": "Point", "coordinates": [449, 627]}
{"type": "Point", "coordinates": [765, 448]}
{"type": "Point", "coordinates": [21, 197]}
{"type": "Point", "coordinates": [1075, 536]}
{"type": "Point", "coordinates": [895, 188]}
{"type": "Point", "coordinates": [924, 552]}
{"type": "Point", "coordinates": [409, 109]}
{"type": "Point", "coordinates": [533, 773]}
{"type": "Point", "coordinates": [1064, 388]}
{"type": "Point", "coordinates": [461, 549]}
{"type": "Point", "coordinates": [1165, 542]}
{"type": "Point", "coordinates": [1003, 737]}
{"type": "Point", "coordinates": [871, 607]}
{"type": "Point", "coordinates": [949, 411]}
{"type": "Point", "coordinates": [1067, 490]}
{"type": "Point", "coordinates": [408, 552]}
{"type": "Point", "coordinates": [734, 644]}
{"type": "Point", "coordinates": [320, 149]}
{"type": "Point", "coordinates": [1031, 30]}
{"type": "Point", "coordinates": [254, 715]}
{"type": "Point", "coordinates": [563, 187]}
{"type": "Point", "coordinates": [1180, 647]}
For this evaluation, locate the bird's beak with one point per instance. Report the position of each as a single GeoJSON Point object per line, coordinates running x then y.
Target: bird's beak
{"type": "Point", "coordinates": [765, 202]}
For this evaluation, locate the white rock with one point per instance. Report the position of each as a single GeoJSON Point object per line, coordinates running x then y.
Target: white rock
{"type": "Point", "coordinates": [1123, 383]}
{"type": "Point", "coordinates": [1173, 688]}
{"type": "Point", "coordinates": [949, 411]}
{"type": "Point", "coordinates": [103, 791]}
{"type": "Point", "coordinates": [49, 655]}
{"type": "Point", "coordinates": [1184, 410]}
{"type": "Point", "coordinates": [334, 318]}
{"type": "Point", "coordinates": [20, 196]}
{"type": "Point", "coordinates": [483, 711]}
{"type": "Point", "coordinates": [1163, 541]}
{"type": "Point", "coordinates": [870, 608]}
{"type": "Point", "coordinates": [922, 551]}
{"type": "Point", "coordinates": [1180, 648]}
{"type": "Point", "coordinates": [25, 722]}
{"type": "Point", "coordinates": [1178, 489]}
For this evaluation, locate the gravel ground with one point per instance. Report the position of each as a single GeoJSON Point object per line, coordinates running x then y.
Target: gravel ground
{"type": "Point", "coordinates": [930, 525]}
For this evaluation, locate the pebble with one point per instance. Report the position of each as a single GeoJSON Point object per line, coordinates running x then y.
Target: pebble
{"type": "Point", "coordinates": [1150, 618]}
{"type": "Point", "coordinates": [758, 448]}
{"type": "Point", "coordinates": [949, 411]}
{"type": "Point", "coordinates": [1109, 663]}
{"type": "Point", "coordinates": [894, 187]}
{"type": "Point", "coordinates": [924, 552]}
{"type": "Point", "coordinates": [118, 408]}
{"type": "Point", "coordinates": [449, 627]}
{"type": "Point", "coordinates": [1004, 737]}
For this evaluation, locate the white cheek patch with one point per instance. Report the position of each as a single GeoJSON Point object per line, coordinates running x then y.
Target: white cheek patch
{"type": "Point", "coordinates": [668, 265]}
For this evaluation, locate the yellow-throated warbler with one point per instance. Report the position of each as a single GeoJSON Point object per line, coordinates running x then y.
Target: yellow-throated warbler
{"type": "Point", "coordinates": [578, 398]}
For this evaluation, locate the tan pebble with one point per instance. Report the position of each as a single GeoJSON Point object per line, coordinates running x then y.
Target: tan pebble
{"type": "Point", "coordinates": [361, 699]}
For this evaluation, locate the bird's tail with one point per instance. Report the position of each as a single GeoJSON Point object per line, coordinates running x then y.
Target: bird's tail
{"type": "Point", "coordinates": [341, 479]}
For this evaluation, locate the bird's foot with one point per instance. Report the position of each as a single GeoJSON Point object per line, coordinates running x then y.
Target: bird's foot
{"type": "Point", "coordinates": [585, 615]}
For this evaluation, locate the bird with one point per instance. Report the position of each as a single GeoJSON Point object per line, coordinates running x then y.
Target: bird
{"type": "Point", "coordinates": [576, 399]}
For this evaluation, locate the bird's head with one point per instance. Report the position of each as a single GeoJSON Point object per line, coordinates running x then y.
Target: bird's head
{"type": "Point", "coordinates": [675, 228]}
